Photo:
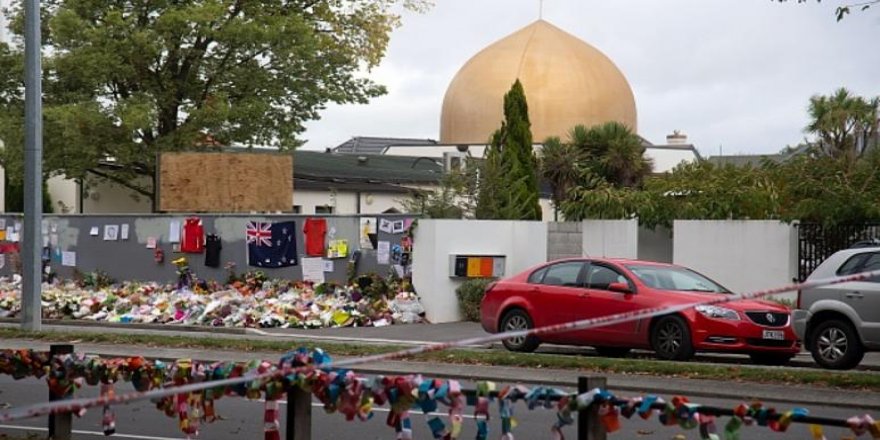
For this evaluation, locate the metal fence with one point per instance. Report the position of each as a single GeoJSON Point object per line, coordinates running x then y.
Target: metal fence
{"type": "Point", "coordinates": [817, 242]}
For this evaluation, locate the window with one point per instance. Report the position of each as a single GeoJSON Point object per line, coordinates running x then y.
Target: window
{"type": "Point", "coordinates": [853, 264]}
{"type": "Point", "coordinates": [297, 209]}
{"type": "Point", "coordinates": [537, 276]}
{"type": "Point", "coordinates": [675, 278]}
{"type": "Point", "coordinates": [563, 274]}
{"type": "Point", "coordinates": [324, 209]}
{"type": "Point", "coordinates": [599, 277]}
{"type": "Point", "coordinates": [872, 263]}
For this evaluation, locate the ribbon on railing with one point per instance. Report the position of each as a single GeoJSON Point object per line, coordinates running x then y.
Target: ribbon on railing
{"type": "Point", "coordinates": [108, 417]}
{"type": "Point", "coordinates": [271, 423]}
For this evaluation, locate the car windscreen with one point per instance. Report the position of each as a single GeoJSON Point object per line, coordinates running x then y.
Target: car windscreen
{"type": "Point", "coordinates": [675, 278]}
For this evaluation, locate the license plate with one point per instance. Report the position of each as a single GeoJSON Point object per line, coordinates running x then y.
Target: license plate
{"type": "Point", "coordinates": [774, 334]}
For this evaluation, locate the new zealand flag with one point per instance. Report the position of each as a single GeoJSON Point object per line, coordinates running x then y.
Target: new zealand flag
{"type": "Point", "coordinates": [271, 244]}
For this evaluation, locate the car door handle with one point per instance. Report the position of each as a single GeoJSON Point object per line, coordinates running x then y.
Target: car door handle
{"type": "Point", "coordinates": [855, 295]}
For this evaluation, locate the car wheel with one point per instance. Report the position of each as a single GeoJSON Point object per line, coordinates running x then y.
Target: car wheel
{"type": "Point", "coordinates": [671, 339]}
{"type": "Point", "coordinates": [770, 358]}
{"type": "Point", "coordinates": [612, 351]}
{"type": "Point", "coordinates": [836, 345]}
{"type": "Point", "coordinates": [514, 320]}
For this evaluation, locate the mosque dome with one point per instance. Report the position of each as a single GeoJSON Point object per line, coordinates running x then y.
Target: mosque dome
{"type": "Point", "coordinates": [567, 82]}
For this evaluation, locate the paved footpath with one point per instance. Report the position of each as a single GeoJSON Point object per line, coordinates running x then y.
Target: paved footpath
{"type": "Point", "coordinates": [623, 384]}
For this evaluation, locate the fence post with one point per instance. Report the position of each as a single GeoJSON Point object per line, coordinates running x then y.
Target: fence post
{"type": "Point", "coordinates": [61, 424]}
{"type": "Point", "coordinates": [299, 415]}
{"type": "Point", "coordinates": [589, 427]}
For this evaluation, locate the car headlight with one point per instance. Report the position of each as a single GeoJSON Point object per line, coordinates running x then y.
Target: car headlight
{"type": "Point", "coordinates": [718, 312]}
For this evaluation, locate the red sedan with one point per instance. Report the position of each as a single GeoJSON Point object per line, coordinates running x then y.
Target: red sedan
{"type": "Point", "coordinates": [575, 289]}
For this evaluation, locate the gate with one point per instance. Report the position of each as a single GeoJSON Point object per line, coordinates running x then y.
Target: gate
{"type": "Point", "coordinates": [817, 242]}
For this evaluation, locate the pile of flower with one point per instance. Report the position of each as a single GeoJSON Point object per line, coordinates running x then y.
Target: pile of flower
{"type": "Point", "coordinates": [252, 302]}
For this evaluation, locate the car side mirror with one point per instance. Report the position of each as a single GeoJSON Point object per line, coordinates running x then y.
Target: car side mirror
{"type": "Point", "coordinates": [619, 287]}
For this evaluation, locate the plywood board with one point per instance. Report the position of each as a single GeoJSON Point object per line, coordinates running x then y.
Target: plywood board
{"type": "Point", "coordinates": [225, 182]}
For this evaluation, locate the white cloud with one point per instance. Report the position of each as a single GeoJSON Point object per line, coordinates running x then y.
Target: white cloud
{"type": "Point", "coordinates": [736, 74]}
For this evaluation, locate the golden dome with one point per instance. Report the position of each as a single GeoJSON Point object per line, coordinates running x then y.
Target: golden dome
{"type": "Point", "coordinates": [567, 82]}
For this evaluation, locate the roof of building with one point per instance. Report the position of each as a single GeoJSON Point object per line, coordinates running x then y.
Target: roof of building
{"type": "Point", "coordinates": [377, 145]}
{"type": "Point", "coordinates": [741, 160]}
{"type": "Point", "coordinates": [368, 169]}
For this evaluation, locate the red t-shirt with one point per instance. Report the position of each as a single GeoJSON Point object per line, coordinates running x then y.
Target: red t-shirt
{"type": "Point", "coordinates": [314, 230]}
{"type": "Point", "coordinates": [193, 238]}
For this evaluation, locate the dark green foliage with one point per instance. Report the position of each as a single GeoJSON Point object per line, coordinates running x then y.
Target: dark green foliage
{"type": "Point", "coordinates": [125, 80]}
{"type": "Point", "coordinates": [509, 181]}
{"type": "Point", "coordinates": [15, 196]}
{"type": "Point", "coordinates": [470, 294]}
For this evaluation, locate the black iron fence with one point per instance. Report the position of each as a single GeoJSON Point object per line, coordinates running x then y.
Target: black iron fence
{"type": "Point", "coordinates": [817, 242]}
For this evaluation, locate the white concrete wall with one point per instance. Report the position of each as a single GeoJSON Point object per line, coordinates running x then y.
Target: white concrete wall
{"type": "Point", "coordinates": [379, 202]}
{"type": "Point", "coordinates": [611, 238]}
{"type": "Point", "coordinates": [665, 159]}
{"type": "Point", "coordinates": [523, 243]}
{"type": "Point", "coordinates": [5, 36]}
{"type": "Point", "coordinates": [104, 197]}
{"type": "Point", "coordinates": [65, 195]}
{"type": "Point", "coordinates": [742, 255]}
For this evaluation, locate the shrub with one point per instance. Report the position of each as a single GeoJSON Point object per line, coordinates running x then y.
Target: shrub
{"type": "Point", "coordinates": [470, 294]}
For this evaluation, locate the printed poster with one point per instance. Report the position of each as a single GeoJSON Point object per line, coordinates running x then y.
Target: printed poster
{"type": "Point", "coordinates": [328, 265]}
{"type": "Point", "coordinates": [337, 249]}
{"type": "Point", "coordinates": [94, 231]}
{"type": "Point", "coordinates": [174, 232]}
{"type": "Point", "coordinates": [123, 232]}
{"type": "Point", "coordinates": [151, 242]}
{"type": "Point", "coordinates": [368, 235]}
{"type": "Point", "coordinates": [385, 225]}
{"type": "Point", "coordinates": [111, 232]}
{"type": "Point", "coordinates": [398, 227]}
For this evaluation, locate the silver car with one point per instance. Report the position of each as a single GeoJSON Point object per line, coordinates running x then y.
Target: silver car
{"type": "Point", "coordinates": [839, 323]}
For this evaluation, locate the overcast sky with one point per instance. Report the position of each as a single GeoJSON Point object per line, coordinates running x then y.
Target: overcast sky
{"type": "Point", "coordinates": [731, 73]}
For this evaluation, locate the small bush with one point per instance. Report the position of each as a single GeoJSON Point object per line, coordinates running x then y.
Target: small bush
{"type": "Point", "coordinates": [470, 294]}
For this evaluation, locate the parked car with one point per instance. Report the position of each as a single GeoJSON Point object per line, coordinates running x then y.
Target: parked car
{"type": "Point", "coordinates": [575, 289]}
{"type": "Point", "coordinates": [840, 322]}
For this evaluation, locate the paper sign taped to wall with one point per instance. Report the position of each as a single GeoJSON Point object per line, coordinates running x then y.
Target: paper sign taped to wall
{"type": "Point", "coordinates": [94, 231]}
{"type": "Point", "coordinates": [383, 252]}
{"type": "Point", "coordinates": [68, 259]}
{"type": "Point", "coordinates": [385, 225]}
{"type": "Point", "coordinates": [123, 232]}
{"type": "Point", "coordinates": [151, 242]}
{"type": "Point", "coordinates": [313, 270]}
{"type": "Point", "coordinates": [328, 265]}
{"type": "Point", "coordinates": [174, 232]}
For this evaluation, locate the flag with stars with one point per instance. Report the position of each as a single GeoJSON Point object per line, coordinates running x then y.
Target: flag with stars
{"type": "Point", "coordinates": [271, 244]}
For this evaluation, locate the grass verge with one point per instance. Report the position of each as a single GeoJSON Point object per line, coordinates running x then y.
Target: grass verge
{"type": "Point", "coordinates": [634, 366]}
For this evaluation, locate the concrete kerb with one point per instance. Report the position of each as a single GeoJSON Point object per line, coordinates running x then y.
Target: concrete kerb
{"type": "Point", "coordinates": [617, 383]}
{"type": "Point", "coordinates": [137, 326]}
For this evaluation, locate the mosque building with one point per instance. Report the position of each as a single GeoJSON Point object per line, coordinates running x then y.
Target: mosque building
{"type": "Point", "coordinates": [567, 82]}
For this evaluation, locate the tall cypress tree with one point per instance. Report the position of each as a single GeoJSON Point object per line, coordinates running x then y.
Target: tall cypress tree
{"type": "Point", "coordinates": [509, 181]}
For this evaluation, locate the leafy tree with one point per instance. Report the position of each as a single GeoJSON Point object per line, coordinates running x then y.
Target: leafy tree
{"type": "Point", "coordinates": [843, 11]}
{"type": "Point", "coordinates": [126, 80]}
{"type": "Point", "coordinates": [453, 199]}
{"type": "Point", "coordinates": [613, 152]}
{"type": "Point", "coordinates": [509, 181]}
{"type": "Point", "coordinates": [844, 124]}
{"type": "Point", "coordinates": [14, 197]}
{"type": "Point", "coordinates": [557, 166]}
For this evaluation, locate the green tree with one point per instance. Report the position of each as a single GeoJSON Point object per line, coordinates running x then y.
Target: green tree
{"type": "Point", "coordinates": [844, 124]}
{"type": "Point", "coordinates": [613, 152]}
{"type": "Point", "coordinates": [126, 80]}
{"type": "Point", "coordinates": [509, 181]}
{"type": "Point", "coordinates": [453, 199]}
{"type": "Point", "coordinates": [557, 166]}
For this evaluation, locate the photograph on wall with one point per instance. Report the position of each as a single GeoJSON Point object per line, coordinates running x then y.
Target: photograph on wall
{"type": "Point", "coordinates": [111, 232]}
{"type": "Point", "coordinates": [385, 225]}
{"type": "Point", "coordinates": [397, 227]}
{"type": "Point", "coordinates": [368, 235]}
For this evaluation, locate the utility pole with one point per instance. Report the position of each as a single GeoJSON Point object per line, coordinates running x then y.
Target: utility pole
{"type": "Point", "coordinates": [32, 265]}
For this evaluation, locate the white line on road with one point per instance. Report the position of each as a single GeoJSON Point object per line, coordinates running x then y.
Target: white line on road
{"type": "Point", "coordinates": [92, 433]}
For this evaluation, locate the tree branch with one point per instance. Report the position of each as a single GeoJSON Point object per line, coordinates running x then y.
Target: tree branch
{"type": "Point", "coordinates": [122, 182]}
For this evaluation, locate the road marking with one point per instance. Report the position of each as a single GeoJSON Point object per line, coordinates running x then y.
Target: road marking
{"type": "Point", "coordinates": [92, 433]}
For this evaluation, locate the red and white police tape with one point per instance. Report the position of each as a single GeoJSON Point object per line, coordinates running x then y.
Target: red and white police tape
{"type": "Point", "coordinates": [76, 405]}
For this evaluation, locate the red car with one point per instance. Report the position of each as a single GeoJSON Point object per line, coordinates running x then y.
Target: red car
{"type": "Point", "coordinates": [575, 289]}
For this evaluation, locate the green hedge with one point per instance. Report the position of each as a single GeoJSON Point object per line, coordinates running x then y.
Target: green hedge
{"type": "Point", "coordinates": [470, 294]}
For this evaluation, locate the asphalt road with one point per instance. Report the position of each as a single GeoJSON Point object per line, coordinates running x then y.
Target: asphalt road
{"type": "Point", "coordinates": [242, 419]}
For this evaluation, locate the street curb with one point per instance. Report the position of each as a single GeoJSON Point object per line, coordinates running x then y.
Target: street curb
{"type": "Point", "coordinates": [170, 328]}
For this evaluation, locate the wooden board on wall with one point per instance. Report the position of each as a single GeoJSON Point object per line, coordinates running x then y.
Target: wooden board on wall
{"type": "Point", "coordinates": [225, 182]}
